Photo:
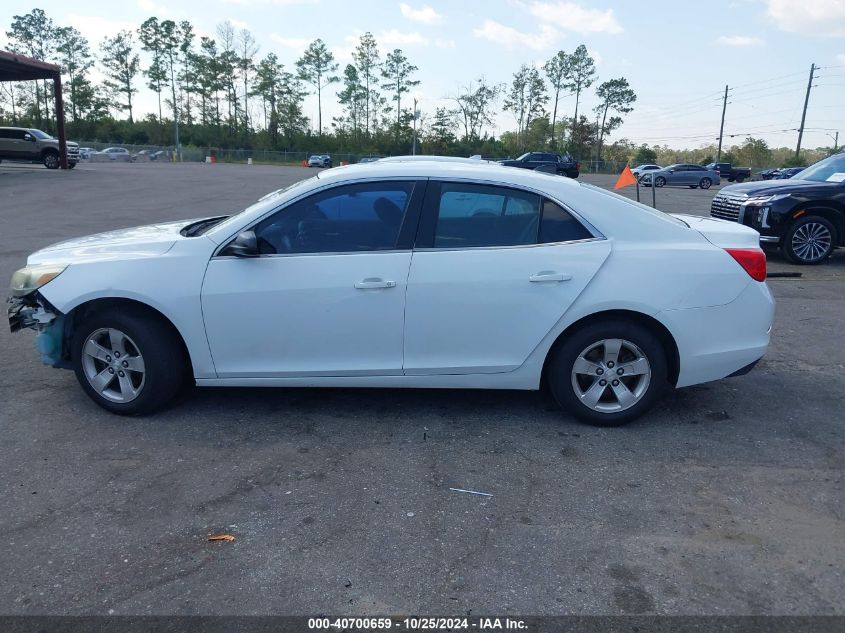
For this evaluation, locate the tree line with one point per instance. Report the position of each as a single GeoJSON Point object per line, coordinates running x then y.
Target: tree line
{"type": "Point", "coordinates": [220, 92]}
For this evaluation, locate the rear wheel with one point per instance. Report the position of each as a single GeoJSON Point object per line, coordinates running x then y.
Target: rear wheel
{"type": "Point", "coordinates": [608, 373]}
{"type": "Point", "coordinates": [51, 160]}
{"type": "Point", "coordinates": [810, 240]}
{"type": "Point", "coordinates": [705, 183]}
{"type": "Point", "coordinates": [128, 360]}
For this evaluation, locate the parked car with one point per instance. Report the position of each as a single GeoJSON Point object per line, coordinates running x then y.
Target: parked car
{"type": "Point", "coordinates": [430, 274]}
{"type": "Point", "coordinates": [768, 174]}
{"type": "Point", "coordinates": [787, 172]}
{"type": "Point", "coordinates": [369, 159]}
{"type": "Point", "coordinates": [546, 161]}
{"type": "Point", "coordinates": [640, 170]}
{"type": "Point", "coordinates": [804, 216]}
{"type": "Point", "coordinates": [120, 154]}
{"type": "Point", "coordinates": [682, 174]}
{"type": "Point", "coordinates": [86, 152]}
{"type": "Point", "coordinates": [148, 154]}
{"type": "Point", "coordinates": [30, 145]}
{"type": "Point", "coordinates": [320, 160]}
{"type": "Point", "coordinates": [731, 173]}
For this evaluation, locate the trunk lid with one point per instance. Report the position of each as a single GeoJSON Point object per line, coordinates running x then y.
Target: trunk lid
{"type": "Point", "coordinates": [722, 233]}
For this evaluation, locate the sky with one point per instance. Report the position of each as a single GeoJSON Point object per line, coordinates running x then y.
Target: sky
{"type": "Point", "coordinates": [678, 56]}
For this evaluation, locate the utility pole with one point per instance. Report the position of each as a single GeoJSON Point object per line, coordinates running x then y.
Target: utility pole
{"type": "Point", "coordinates": [722, 126]}
{"type": "Point", "coordinates": [597, 142]}
{"type": "Point", "coordinates": [414, 141]}
{"type": "Point", "coordinates": [804, 114]}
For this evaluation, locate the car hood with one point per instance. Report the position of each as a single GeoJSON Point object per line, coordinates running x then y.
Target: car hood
{"type": "Point", "coordinates": [138, 241]}
{"type": "Point", "coordinates": [772, 187]}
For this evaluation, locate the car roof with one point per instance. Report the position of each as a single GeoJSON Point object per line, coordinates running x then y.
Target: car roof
{"type": "Point", "coordinates": [462, 169]}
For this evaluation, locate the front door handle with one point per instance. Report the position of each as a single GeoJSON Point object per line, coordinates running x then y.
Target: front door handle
{"type": "Point", "coordinates": [549, 275]}
{"type": "Point", "coordinates": [374, 282]}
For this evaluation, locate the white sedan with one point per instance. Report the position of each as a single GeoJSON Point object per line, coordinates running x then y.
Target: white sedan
{"type": "Point", "coordinates": [407, 274]}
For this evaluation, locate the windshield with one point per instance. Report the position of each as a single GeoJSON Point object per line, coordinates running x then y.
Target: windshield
{"type": "Point", "coordinates": [634, 203]}
{"type": "Point", "coordinates": [265, 198]}
{"type": "Point", "coordinates": [524, 156]}
{"type": "Point", "coordinates": [40, 134]}
{"type": "Point", "coordinates": [831, 169]}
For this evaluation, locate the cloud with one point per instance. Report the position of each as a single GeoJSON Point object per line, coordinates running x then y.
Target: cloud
{"type": "Point", "coordinates": [571, 16]}
{"type": "Point", "coordinates": [511, 38]}
{"type": "Point", "coordinates": [290, 42]}
{"type": "Point", "coordinates": [809, 17]}
{"type": "Point", "coordinates": [154, 9]}
{"type": "Point", "coordinates": [95, 28]}
{"type": "Point", "coordinates": [426, 14]}
{"type": "Point", "coordinates": [280, 3]}
{"type": "Point", "coordinates": [239, 24]}
{"type": "Point", "coordinates": [394, 37]}
{"type": "Point", "coordinates": [444, 43]}
{"type": "Point", "coordinates": [344, 53]}
{"type": "Point", "coordinates": [739, 40]}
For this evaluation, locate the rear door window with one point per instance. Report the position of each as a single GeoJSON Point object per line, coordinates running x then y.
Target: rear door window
{"type": "Point", "coordinates": [476, 215]}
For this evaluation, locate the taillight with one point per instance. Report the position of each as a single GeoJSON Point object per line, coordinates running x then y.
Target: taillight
{"type": "Point", "coordinates": [752, 260]}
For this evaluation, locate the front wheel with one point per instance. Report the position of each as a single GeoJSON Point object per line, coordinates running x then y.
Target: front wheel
{"type": "Point", "coordinates": [51, 160]}
{"type": "Point", "coordinates": [705, 183]}
{"type": "Point", "coordinates": [608, 373]}
{"type": "Point", "coordinates": [129, 361]}
{"type": "Point", "coordinates": [810, 240]}
{"type": "Point", "coordinates": [660, 181]}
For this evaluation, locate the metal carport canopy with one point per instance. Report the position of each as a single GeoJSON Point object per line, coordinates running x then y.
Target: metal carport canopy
{"type": "Point", "coordinates": [15, 67]}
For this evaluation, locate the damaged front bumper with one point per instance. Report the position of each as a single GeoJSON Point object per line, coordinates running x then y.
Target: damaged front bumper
{"type": "Point", "coordinates": [34, 312]}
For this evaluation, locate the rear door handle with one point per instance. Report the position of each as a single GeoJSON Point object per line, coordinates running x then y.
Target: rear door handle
{"type": "Point", "coordinates": [549, 275]}
{"type": "Point", "coordinates": [374, 282]}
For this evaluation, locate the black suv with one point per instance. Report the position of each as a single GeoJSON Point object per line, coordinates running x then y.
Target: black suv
{"type": "Point", "coordinates": [546, 161]}
{"type": "Point", "coordinates": [805, 214]}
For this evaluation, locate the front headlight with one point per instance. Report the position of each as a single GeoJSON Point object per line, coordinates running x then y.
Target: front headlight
{"type": "Point", "coordinates": [767, 199]}
{"type": "Point", "coordinates": [31, 278]}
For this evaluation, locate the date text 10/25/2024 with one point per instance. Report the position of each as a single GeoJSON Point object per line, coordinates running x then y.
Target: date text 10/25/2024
{"type": "Point", "coordinates": [417, 624]}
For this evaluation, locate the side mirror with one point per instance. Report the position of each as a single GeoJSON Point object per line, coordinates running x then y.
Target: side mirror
{"type": "Point", "coordinates": [244, 245]}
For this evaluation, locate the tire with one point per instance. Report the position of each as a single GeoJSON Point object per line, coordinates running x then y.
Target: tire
{"type": "Point", "coordinates": [51, 160]}
{"type": "Point", "coordinates": [153, 360]}
{"type": "Point", "coordinates": [590, 349]}
{"type": "Point", "coordinates": [810, 240]}
{"type": "Point", "coordinates": [659, 182]}
{"type": "Point", "coordinates": [705, 183]}
{"type": "Point", "coordinates": [71, 165]}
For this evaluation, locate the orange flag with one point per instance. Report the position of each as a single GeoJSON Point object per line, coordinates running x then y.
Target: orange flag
{"type": "Point", "coordinates": [626, 178]}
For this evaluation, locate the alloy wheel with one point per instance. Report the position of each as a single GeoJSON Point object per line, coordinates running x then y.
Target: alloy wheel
{"type": "Point", "coordinates": [51, 160]}
{"type": "Point", "coordinates": [611, 375]}
{"type": "Point", "coordinates": [113, 365]}
{"type": "Point", "coordinates": [811, 241]}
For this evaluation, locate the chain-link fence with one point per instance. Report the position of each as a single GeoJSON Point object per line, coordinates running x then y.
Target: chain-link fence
{"type": "Point", "coordinates": [200, 154]}
{"type": "Point", "coordinates": [271, 157]}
